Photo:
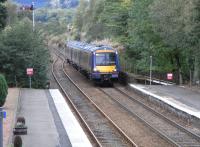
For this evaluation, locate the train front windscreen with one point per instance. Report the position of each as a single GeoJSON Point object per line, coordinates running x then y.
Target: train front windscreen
{"type": "Point", "coordinates": [105, 59]}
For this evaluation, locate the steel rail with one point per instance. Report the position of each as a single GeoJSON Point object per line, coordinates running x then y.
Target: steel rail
{"type": "Point", "coordinates": [115, 125]}
{"type": "Point", "coordinates": [75, 108]}
{"type": "Point", "coordinates": [196, 136]}
{"type": "Point", "coordinates": [143, 121]}
{"type": "Point", "coordinates": [99, 109]}
{"type": "Point", "coordinates": [118, 129]}
{"type": "Point", "coordinates": [164, 136]}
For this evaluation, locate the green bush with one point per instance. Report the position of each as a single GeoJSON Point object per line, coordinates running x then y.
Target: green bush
{"type": "Point", "coordinates": [3, 90]}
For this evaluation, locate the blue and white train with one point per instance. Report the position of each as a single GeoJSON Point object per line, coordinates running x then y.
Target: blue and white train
{"type": "Point", "coordinates": [98, 62]}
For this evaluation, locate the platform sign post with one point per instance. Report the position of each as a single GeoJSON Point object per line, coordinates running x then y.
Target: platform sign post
{"type": "Point", "coordinates": [169, 76]}
{"type": "Point", "coordinates": [150, 70]}
{"type": "Point", "coordinates": [29, 72]}
{"type": "Point", "coordinates": [2, 115]}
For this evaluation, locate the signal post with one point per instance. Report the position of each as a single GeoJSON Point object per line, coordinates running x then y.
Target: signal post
{"type": "Point", "coordinates": [29, 72]}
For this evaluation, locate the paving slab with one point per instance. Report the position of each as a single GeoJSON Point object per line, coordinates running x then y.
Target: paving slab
{"type": "Point", "coordinates": [34, 107]}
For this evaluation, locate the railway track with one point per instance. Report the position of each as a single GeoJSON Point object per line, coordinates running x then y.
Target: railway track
{"type": "Point", "coordinates": [175, 134]}
{"type": "Point", "coordinates": [102, 130]}
{"type": "Point", "coordinates": [168, 129]}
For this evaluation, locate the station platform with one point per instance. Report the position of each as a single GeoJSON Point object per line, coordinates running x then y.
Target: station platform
{"type": "Point", "coordinates": [49, 120]}
{"type": "Point", "coordinates": [179, 98]}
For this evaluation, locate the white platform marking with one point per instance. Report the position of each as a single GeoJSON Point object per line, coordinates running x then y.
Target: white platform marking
{"type": "Point", "coordinates": [170, 101]}
{"type": "Point", "coordinates": [75, 133]}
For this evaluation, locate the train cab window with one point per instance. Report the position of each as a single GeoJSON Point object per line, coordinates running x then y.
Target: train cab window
{"type": "Point", "coordinates": [105, 59]}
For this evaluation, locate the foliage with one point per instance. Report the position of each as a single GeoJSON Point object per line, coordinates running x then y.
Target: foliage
{"type": "Point", "coordinates": [3, 90]}
{"type": "Point", "coordinates": [115, 18]}
{"type": "Point", "coordinates": [11, 13]}
{"type": "Point", "coordinates": [54, 23]}
{"type": "Point", "coordinates": [69, 3]}
{"type": "Point", "coordinates": [102, 19]}
{"type": "Point", "coordinates": [142, 39]}
{"type": "Point", "coordinates": [79, 19]}
{"type": "Point", "coordinates": [92, 26]}
{"type": "Point", "coordinates": [20, 49]}
{"type": "Point", "coordinates": [166, 30]}
{"type": "Point", "coordinates": [173, 22]}
{"type": "Point", "coordinates": [3, 14]}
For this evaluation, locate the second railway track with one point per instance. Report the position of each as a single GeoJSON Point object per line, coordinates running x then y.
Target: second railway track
{"type": "Point", "coordinates": [168, 129]}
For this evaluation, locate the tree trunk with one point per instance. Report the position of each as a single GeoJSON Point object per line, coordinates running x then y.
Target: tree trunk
{"type": "Point", "coordinates": [180, 76]}
{"type": "Point", "coordinates": [196, 75]}
{"type": "Point", "coordinates": [179, 69]}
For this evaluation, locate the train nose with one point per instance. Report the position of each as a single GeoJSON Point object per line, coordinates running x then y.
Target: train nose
{"type": "Point", "coordinates": [106, 77]}
{"type": "Point", "coordinates": [106, 69]}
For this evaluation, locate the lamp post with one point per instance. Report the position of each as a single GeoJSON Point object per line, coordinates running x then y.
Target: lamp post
{"type": "Point", "coordinates": [33, 16]}
{"type": "Point", "coordinates": [150, 68]}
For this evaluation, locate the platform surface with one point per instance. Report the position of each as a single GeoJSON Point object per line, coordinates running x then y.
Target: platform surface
{"type": "Point", "coordinates": [181, 98]}
{"type": "Point", "coordinates": [49, 120]}
{"type": "Point", "coordinates": [34, 107]}
{"type": "Point", "coordinates": [76, 134]}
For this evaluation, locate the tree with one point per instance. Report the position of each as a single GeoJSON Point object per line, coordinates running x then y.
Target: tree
{"type": "Point", "coordinates": [167, 30]}
{"type": "Point", "coordinates": [115, 19]}
{"type": "Point", "coordinates": [20, 49]}
{"type": "Point", "coordinates": [11, 13]}
{"type": "Point", "coordinates": [193, 39]}
{"type": "Point", "coordinates": [3, 90]}
{"type": "Point", "coordinates": [79, 18]}
{"type": "Point", "coordinates": [99, 19]}
{"type": "Point", "coordinates": [93, 27]}
{"type": "Point", "coordinates": [174, 22]}
{"type": "Point", "coordinates": [3, 14]}
{"type": "Point", "coordinates": [142, 41]}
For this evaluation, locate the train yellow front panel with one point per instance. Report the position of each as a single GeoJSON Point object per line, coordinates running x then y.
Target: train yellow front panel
{"type": "Point", "coordinates": [105, 68]}
{"type": "Point", "coordinates": [105, 51]}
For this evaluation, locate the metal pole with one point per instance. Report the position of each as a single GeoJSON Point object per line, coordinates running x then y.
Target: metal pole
{"type": "Point", "coordinates": [30, 81]}
{"type": "Point", "coordinates": [150, 68]}
{"type": "Point", "coordinates": [190, 78]}
{"type": "Point", "coordinates": [33, 17]}
{"type": "Point", "coordinates": [1, 126]}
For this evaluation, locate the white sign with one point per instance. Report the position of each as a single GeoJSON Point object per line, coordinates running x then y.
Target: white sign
{"type": "Point", "coordinates": [29, 71]}
{"type": "Point", "coordinates": [170, 76]}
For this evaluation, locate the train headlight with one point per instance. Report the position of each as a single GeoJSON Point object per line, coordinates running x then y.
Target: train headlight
{"type": "Point", "coordinates": [95, 69]}
{"type": "Point", "coordinates": [115, 69]}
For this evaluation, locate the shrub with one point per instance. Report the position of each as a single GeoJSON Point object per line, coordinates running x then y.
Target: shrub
{"type": "Point", "coordinates": [3, 90]}
{"type": "Point", "coordinates": [17, 141]}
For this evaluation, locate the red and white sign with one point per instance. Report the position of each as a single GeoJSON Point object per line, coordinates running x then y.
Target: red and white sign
{"type": "Point", "coordinates": [170, 76]}
{"type": "Point", "coordinates": [29, 71]}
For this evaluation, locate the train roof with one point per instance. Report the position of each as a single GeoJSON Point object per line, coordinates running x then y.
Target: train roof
{"type": "Point", "coordinates": [87, 46]}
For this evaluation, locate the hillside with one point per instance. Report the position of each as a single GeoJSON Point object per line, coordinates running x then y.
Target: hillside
{"type": "Point", "coordinates": [38, 3]}
{"type": "Point", "coordinates": [51, 3]}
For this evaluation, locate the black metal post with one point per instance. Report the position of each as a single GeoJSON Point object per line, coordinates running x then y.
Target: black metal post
{"type": "Point", "coordinates": [1, 126]}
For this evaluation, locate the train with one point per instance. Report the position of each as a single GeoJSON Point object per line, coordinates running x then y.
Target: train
{"type": "Point", "coordinates": [99, 63]}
